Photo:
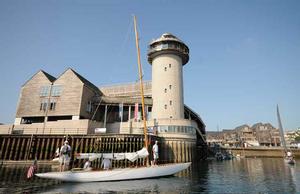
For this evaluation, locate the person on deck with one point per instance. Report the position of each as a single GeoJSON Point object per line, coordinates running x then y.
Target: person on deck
{"type": "Point", "coordinates": [87, 165]}
{"type": "Point", "coordinates": [155, 153]}
{"type": "Point", "coordinates": [289, 155]}
{"type": "Point", "coordinates": [64, 156]}
{"type": "Point", "coordinates": [106, 164]}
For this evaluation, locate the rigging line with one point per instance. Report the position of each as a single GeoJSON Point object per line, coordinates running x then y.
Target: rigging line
{"type": "Point", "coordinates": [97, 108]}
{"type": "Point", "coordinates": [126, 38]}
{"type": "Point", "coordinates": [139, 78]}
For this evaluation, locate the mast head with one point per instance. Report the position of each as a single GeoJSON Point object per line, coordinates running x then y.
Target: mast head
{"type": "Point", "coordinates": [168, 44]}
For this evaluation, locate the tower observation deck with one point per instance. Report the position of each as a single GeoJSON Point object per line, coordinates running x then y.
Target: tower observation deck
{"type": "Point", "coordinates": [168, 44]}
{"type": "Point", "coordinates": [167, 55]}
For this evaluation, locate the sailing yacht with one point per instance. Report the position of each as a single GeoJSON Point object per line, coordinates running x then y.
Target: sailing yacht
{"type": "Point", "coordinates": [288, 157]}
{"type": "Point", "coordinates": [121, 173]}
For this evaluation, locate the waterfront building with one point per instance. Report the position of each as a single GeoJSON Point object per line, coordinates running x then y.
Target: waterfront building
{"type": "Point", "coordinates": [292, 138]}
{"type": "Point", "coordinates": [245, 136]}
{"type": "Point", "coordinates": [266, 134]}
{"type": "Point", "coordinates": [230, 138]}
{"type": "Point", "coordinates": [70, 104]}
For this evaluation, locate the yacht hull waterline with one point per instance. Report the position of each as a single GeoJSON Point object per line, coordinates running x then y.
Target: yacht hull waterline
{"type": "Point", "coordinates": [116, 174]}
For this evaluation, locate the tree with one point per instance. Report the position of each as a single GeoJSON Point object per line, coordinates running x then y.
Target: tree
{"type": "Point", "coordinates": [297, 139]}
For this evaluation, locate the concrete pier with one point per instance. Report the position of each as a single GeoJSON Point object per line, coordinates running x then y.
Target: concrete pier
{"type": "Point", "coordinates": [262, 152]}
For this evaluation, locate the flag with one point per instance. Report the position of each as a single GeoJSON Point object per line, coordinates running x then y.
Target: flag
{"type": "Point", "coordinates": [32, 169]}
{"type": "Point", "coordinates": [136, 110]}
{"type": "Point", "coordinates": [146, 113]}
{"type": "Point", "coordinates": [121, 111]}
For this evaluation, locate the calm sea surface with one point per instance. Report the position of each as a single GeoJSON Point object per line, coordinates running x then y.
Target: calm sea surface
{"type": "Point", "coordinates": [260, 175]}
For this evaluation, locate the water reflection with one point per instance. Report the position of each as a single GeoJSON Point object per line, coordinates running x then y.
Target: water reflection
{"type": "Point", "coordinates": [162, 185]}
{"type": "Point", "coordinates": [253, 175]}
{"type": "Point", "coordinates": [260, 175]}
{"type": "Point", "coordinates": [13, 179]}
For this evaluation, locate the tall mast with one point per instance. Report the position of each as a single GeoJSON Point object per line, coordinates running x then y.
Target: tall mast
{"type": "Point", "coordinates": [281, 130]}
{"type": "Point", "coordinates": [141, 83]}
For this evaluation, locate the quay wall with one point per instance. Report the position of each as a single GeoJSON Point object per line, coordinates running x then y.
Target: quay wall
{"type": "Point", "coordinates": [277, 152]}
{"type": "Point", "coordinates": [43, 147]}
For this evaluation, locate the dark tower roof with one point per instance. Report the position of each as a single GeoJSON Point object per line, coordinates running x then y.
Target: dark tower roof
{"type": "Point", "coordinates": [168, 44]}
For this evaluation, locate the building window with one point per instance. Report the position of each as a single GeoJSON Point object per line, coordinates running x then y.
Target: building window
{"type": "Point", "coordinates": [44, 91]}
{"type": "Point", "coordinates": [165, 68]}
{"type": "Point", "coordinates": [166, 106]}
{"type": "Point", "coordinates": [89, 107]}
{"type": "Point", "coordinates": [43, 105]}
{"type": "Point", "coordinates": [52, 104]}
{"type": "Point", "coordinates": [170, 87]}
{"type": "Point", "coordinates": [169, 65]}
{"type": "Point", "coordinates": [170, 102]}
{"type": "Point", "coordinates": [56, 91]}
{"type": "Point", "coordinates": [164, 46]}
{"type": "Point", "coordinates": [165, 90]}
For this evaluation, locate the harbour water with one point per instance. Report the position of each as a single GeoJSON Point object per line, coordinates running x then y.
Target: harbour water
{"type": "Point", "coordinates": [248, 175]}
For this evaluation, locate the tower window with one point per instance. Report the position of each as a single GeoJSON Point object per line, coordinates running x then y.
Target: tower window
{"type": "Point", "coordinates": [169, 65]}
{"type": "Point", "coordinates": [170, 86]}
{"type": "Point", "coordinates": [166, 106]}
{"type": "Point", "coordinates": [165, 68]}
{"type": "Point", "coordinates": [165, 90]}
{"type": "Point", "coordinates": [170, 102]}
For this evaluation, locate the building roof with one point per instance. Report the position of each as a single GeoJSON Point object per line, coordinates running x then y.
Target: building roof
{"type": "Point", "coordinates": [83, 80]}
{"type": "Point", "coordinates": [47, 75]}
{"type": "Point", "coordinates": [125, 100]}
{"type": "Point", "coordinates": [50, 77]}
{"type": "Point", "coordinates": [86, 82]}
{"type": "Point", "coordinates": [167, 37]}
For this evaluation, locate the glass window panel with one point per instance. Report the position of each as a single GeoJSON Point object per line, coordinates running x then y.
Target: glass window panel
{"type": "Point", "coordinates": [164, 46]}
{"type": "Point", "coordinates": [56, 91]}
{"type": "Point", "coordinates": [44, 90]}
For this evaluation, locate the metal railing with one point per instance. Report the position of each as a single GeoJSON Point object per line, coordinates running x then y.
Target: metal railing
{"type": "Point", "coordinates": [24, 130]}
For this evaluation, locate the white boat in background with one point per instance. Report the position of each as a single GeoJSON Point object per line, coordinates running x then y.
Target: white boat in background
{"type": "Point", "coordinates": [288, 157]}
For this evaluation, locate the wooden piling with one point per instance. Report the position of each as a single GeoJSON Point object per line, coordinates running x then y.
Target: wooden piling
{"type": "Point", "coordinates": [27, 147]}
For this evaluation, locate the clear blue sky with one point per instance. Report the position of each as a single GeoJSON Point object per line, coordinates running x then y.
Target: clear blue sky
{"type": "Point", "coordinates": [244, 55]}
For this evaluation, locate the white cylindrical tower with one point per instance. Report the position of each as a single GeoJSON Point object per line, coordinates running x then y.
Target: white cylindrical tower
{"type": "Point", "coordinates": [167, 55]}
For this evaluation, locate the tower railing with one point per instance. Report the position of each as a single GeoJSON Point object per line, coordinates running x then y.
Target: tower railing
{"type": "Point", "coordinates": [165, 46]}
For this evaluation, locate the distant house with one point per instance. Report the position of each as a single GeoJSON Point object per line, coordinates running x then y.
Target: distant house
{"type": "Point", "coordinates": [245, 136]}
